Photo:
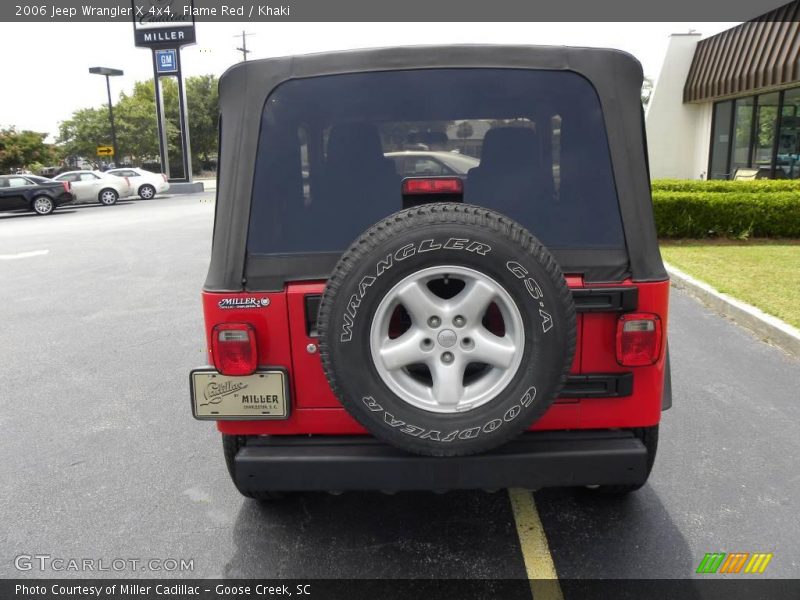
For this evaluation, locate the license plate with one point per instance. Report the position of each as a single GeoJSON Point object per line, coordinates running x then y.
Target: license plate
{"type": "Point", "coordinates": [261, 395]}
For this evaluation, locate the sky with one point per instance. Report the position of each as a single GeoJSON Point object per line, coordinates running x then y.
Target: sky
{"type": "Point", "coordinates": [61, 61]}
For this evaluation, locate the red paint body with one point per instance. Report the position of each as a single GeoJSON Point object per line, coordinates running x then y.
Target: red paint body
{"type": "Point", "coordinates": [282, 341]}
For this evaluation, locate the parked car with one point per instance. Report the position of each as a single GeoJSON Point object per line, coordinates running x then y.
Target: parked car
{"type": "Point", "coordinates": [38, 194]}
{"type": "Point", "coordinates": [145, 183]}
{"type": "Point", "coordinates": [414, 163]}
{"type": "Point", "coordinates": [89, 186]}
{"type": "Point", "coordinates": [78, 163]}
{"type": "Point", "coordinates": [40, 179]}
{"type": "Point", "coordinates": [518, 329]}
{"type": "Point", "coordinates": [48, 172]}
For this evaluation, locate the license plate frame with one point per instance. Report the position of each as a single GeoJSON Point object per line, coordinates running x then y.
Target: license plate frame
{"type": "Point", "coordinates": [218, 397]}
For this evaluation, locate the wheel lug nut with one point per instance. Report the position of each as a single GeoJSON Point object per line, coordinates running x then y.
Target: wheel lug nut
{"type": "Point", "coordinates": [434, 321]}
{"type": "Point", "coordinates": [447, 358]}
{"type": "Point", "coordinates": [459, 321]}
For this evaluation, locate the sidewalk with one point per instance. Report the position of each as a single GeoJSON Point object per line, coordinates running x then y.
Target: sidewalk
{"type": "Point", "coordinates": [768, 328]}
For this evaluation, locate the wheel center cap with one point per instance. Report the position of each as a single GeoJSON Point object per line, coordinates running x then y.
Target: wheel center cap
{"type": "Point", "coordinates": [447, 338]}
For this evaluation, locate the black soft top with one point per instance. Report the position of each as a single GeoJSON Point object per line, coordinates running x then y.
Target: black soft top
{"type": "Point", "coordinates": [243, 91]}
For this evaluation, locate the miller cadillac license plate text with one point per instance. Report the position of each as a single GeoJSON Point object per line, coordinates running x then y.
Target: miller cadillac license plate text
{"type": "Point", "coordinates": [258, 396]}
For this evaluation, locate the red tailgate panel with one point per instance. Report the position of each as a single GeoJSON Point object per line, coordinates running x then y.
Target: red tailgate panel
{"type": "Point", "coordinates": [643, 407]}
{"type": "Point", "coordinates": [315, 409]}
{"type": "Point", "coordinates": [313, 390]}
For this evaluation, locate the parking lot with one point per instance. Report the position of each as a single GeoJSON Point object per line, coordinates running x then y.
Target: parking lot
{"type": "Point", "coordinates": [102, 323]}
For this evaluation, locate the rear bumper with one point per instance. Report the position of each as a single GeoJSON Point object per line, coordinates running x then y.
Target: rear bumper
{"type": "Point", "coordinates": [534, 460]}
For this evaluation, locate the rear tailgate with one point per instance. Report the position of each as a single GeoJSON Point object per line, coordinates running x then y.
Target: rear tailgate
{"type": "Point", "coordinates": [583, 404]}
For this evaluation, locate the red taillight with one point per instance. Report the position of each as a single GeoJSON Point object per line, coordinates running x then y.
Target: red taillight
{"type": "Point", "coordinates": [233, 346]}
{"type": "Point", "coordinates": [435, 185]}
{"type": "Point", "coordinates": [66, 186]}
{"type": "Point", "coordinates": [165, 177]}
{"type": "Point", "coordinates": [638, 339]}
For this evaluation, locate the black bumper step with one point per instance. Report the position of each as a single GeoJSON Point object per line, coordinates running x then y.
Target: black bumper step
{"type": "Point", "coordinates": [534, 460]}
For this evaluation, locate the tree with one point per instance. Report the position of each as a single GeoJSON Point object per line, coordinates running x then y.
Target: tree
{"type": "Point", "coordinates": [19, 149]}
{"type": "Point", "coordinates": [202, 98]}
{"type": "Point", "coordinates": [83, 132]}
{"type": "Point", "coordinates": [137, 127]}
{"type": "Point", "coordinates": [464, 130]}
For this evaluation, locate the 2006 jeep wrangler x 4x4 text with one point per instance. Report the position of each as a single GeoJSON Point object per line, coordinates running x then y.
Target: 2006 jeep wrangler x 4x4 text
{"type": "Point", "coordinates": [395, 322]}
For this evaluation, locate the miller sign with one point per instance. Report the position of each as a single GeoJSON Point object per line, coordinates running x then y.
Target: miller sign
{"type": "Point", "coordinates": [163, 23]}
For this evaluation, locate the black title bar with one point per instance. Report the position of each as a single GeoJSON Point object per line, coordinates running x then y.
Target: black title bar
{"type": "Point", "coordinates": [205, 11]}
{"type": "Point", "coordinates": [708, 588]}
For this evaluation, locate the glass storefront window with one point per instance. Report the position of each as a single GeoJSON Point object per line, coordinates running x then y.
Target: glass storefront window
{"type": "Point", "coordinates": [720, 140]}
{"type": "Point", "coordinates": [787, 163]}
{"type": "Point", "coordinates": [742, 130]}
{"type": "Point", "coordinates": [766, 124]}
{"type": "Point", "coordinates": [744, 136]}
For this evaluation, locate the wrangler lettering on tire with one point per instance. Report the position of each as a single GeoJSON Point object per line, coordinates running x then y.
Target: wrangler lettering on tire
{"type": "Point", "coordinates": [446, 329]}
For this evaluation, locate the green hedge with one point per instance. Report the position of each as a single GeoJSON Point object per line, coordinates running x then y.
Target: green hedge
{"type": "Point", "coordinates": [758, 186]}
{"type": "Point", "coordinates": [754, 209]}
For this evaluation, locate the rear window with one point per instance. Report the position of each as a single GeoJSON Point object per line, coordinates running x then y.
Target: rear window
{"type": "Point", "coordinates": [530, 144]}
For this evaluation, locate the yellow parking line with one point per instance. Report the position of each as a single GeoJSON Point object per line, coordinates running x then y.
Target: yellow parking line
{"type": "Point", "coordinates": [533, 543]}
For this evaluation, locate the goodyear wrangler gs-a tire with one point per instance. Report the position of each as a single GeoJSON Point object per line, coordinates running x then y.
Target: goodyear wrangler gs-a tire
{"type": "Point", "coordinates": [446, 329]}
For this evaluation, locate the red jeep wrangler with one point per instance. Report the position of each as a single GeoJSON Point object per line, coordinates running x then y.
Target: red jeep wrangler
{"type": "Point", "coordinates": [407, 322]}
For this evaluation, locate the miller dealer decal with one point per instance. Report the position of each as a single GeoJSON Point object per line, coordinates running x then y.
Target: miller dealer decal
{"type": "Point", "coordinates": [226, 303]}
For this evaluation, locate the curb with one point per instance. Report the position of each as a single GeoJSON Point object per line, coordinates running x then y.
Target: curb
{"type": "Point", "coordinates": [766, 327]}
{"type": "Point", "coordinates": [186, 187]}
{"type": "Point", "coordinates": [209, 185]}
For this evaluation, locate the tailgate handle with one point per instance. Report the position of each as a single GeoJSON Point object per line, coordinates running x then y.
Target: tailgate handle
{"type": "Point", "coordinates": [618, 299]}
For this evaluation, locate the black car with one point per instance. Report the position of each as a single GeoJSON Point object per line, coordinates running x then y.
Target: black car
{"type": "Point", "coordinates": [38, 194]}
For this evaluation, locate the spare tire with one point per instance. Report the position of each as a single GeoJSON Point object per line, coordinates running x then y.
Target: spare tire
{"type": "Point", "coordinates": [446, 329]}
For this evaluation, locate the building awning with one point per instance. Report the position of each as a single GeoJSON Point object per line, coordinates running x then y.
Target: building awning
{"type": "Point", "coordinates": [759, 54]}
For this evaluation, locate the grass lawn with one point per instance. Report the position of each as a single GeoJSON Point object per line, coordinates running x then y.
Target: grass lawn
{"type": "Point", "coordinates": [764, 273]}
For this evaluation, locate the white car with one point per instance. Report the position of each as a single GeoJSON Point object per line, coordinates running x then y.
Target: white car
{"type": "Point", "coordinates": [145, 183]}
{"type": "Point", "coordinates": [430, 163]}
{"type": "Point", "coordinates": [89, 186]}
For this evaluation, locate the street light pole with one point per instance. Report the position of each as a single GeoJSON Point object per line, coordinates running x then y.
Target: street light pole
{"type": "Point", "coordinates": [111, 118]}
{"type": "Point", "coordinates": [109, 73]}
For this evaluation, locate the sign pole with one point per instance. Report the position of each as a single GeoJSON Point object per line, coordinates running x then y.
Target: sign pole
{"type": "Point", "coordinates": [162, 27]}
{"type": "Point", "coordinates": [108, 72]}
{"type": "Point", "coordinates": [184, 122]}
{"type": "Point", "coordinates": [163, 143]}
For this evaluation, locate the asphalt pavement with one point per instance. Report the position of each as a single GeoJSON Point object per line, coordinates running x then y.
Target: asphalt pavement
{"type": "Point", "coordinates": [101, 323]}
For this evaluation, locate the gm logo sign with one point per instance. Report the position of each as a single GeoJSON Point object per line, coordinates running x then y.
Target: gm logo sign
{"type": "Point", "coordinates": [735, 562]}
{"type": "Point", "coordinates": [166, 61]}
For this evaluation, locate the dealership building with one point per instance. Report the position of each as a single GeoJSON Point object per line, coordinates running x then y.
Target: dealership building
{"type": "Point", "coordinates": [729, 105]}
